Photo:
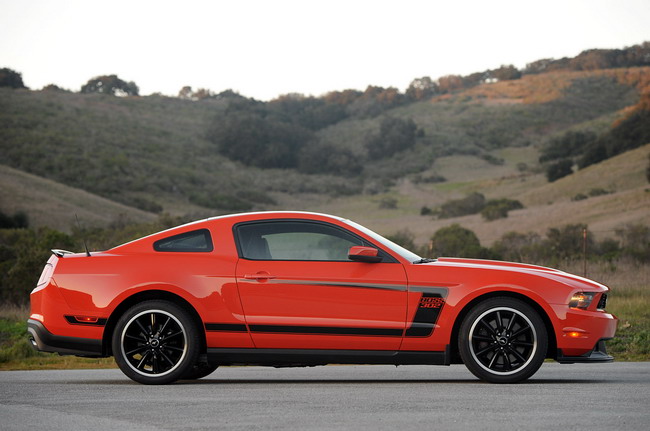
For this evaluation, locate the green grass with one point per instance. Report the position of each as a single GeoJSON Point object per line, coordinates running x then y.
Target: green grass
{"type": "Point", "coordinates": [632, 341]}
{"type": "Point", "coordinates": [16, 352]}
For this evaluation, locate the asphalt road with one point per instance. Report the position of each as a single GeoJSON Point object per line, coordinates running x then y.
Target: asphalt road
{"type": "Point", "coordinates": [603, 396]}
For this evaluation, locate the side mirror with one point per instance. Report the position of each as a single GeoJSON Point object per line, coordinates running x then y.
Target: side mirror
{"type": "Point", "coordinates": [364, 254]}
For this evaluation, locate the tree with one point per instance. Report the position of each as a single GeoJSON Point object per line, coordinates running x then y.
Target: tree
{"type": "Point", "coordinates": [570, 144]}
{"type": "Point", "coordinates": [185, 93]}
{"type": "Point", "coordinates": [559, 170]}
{"type": "Point", "coordinates": [11, 78]}
{"type": "Point", "coordinates": [323, 158]}
{"type": "Point", "coordinates": [449, 83]}
{"type": "Point", "coordinates": [498, 208]}
{"type": "Point", "coordinates": [421, 89]}
{"type": "Point", "coordinates": [519, 247]}
{"type": "Point", "coordinates": [566, 242]}
{"type": "Point", "coordinates": [635, 240]}
{"type": "Point", "coordinates": [395, 134]}
{"type": "Point", "coordinates": [457, 241]}
{"type": "Point", "coordinates": [506, 73]}
{"type": "Point", "coordinates": [110, 84]}
{"type": "Point", "coordinates": [54, 88]}
{"type": "Point", "coordinates": [247, 132]}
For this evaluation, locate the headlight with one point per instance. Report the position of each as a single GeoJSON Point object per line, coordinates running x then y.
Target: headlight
{"type": "Point", "coordinates": [581, 300]}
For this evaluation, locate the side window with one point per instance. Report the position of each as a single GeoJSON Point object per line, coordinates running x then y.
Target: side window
{"type": "Point", "coordinates": [289, 240]}
{"type": "Point", "coordinates": [194, 241]}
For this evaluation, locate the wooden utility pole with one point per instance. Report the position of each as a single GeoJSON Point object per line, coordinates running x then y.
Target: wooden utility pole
{"type": "Point", "coordinates": [584, 252]}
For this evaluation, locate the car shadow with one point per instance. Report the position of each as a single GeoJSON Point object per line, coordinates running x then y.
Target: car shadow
{"type": "Point", "coordinates": [208, 381]}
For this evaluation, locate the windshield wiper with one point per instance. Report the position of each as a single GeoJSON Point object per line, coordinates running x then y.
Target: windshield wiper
{"type": "Point", "coordinates": [424, 260]}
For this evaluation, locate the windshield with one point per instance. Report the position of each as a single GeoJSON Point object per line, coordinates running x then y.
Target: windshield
{"type": "Point", "coordinates": [406, 254]}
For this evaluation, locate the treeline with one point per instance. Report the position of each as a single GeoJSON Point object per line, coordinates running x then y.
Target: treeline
{"type": "Point", "coordinates": [585, 148]}
{"type": "Point", "coordinates": [558, 245]}
{"type": "Point", "coordinates": [24, 251]}
{"type": "Point", "coordinates": [282, 133]}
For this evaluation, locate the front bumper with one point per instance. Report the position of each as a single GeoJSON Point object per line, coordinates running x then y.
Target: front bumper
{"type": "Point", "coordinates": [45, 341]}
{"type": "Point", "coordinates": [597, 354]}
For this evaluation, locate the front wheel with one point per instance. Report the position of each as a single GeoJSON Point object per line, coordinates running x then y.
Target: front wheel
{"type": "Point", "coordinates": [156, 342]}
{"type": "Point", "coordinates": [503, 340]}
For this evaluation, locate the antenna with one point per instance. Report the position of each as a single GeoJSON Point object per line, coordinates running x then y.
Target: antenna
{"type": "Point", "coordinates": [82, 237]}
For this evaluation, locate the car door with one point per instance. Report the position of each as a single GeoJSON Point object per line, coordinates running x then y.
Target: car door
{"type": "Point", "coordinates": [299, 290]}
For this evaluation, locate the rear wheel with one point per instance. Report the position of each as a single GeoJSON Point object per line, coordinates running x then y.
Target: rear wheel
{"type": "Point", "coordinates": [503, 340]}
{"type": "Point", "coordinates": [156, 342]}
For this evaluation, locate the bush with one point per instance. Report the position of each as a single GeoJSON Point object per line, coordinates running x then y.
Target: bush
{"type": "Point", "coordinates": [429, 179]}
{"type": "Point", "coordinates": [598, 192]}
{"type": "Point", "coordinates": [498, 208]}
{"type": "Point", "coordinates": [471, 204]}
{"type": "Point", "coordinates": [579, 197]}
{"type": "Point", "coordinates": [457, 241]}
{"type": "Point", "coordinates": [18, 221]}
{"type": "Point", "coordinates": [635, 239]}
{"type": "Point", "coordinates": [404, 238]}
{"type": "Point", "coordinates": [559, 170]}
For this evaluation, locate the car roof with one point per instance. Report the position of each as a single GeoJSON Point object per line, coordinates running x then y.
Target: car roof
{"type": "Point", "coordinates": [249, 216]}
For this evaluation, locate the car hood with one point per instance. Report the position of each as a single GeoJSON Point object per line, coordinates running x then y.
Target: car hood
{"type": "Point", "coordinates": [534, 270]}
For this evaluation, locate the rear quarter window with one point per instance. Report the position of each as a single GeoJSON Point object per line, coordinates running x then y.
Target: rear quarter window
{"type": "Point", "coordinates": [194, 241]}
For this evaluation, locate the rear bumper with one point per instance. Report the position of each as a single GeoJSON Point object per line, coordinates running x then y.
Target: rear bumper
{"type": "Point", "coordinates": [597, 354]}
{"type": "Point", "coordinates": [45, 341]}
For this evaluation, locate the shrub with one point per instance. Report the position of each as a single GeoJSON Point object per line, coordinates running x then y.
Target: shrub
{"type": "Point", "coordinates": [498, 208]}
{"type": "Point", "coordinates": [471, 204]}
{"type": "Point", "coordinates": [579, 197]}
{"type": "Point", "coordinates": [457, 241]}
{"type": "Point", "coordinates": [559, 169]}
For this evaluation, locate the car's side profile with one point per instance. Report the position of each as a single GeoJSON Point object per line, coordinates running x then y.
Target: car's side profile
{"type": "Point", "coordinates": [303, 289]}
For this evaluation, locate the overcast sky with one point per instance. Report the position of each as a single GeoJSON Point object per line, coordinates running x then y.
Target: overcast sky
{"type": "Point", "coordinates": [267, 48]}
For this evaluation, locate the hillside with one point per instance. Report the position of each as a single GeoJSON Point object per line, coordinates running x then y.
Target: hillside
{"type": "Point", "coordinates": [546, 204]}
{"type": "Point", "coordinates": [102, 156]}
{"type": "Point", "coordinates": [49, 203]}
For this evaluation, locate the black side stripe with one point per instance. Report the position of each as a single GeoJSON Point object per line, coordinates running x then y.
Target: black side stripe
{"type": "Point", "coordinates": [226, 327]}
{"type": "Point", "coordinates": [331, 330]}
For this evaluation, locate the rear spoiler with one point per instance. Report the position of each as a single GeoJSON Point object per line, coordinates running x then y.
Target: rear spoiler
{"type": "Point", "coordinates": [60, 253]}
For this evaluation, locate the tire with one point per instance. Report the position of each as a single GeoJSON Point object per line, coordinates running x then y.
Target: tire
{"type": "Point", "coordinates": [156, 342]}
{"type": "Point", "coordinates": [200, 370]}
{"type": "Point", "coordinates": [503, 340]}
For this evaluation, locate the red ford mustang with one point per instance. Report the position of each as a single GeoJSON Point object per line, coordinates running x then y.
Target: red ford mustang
{"type": "Point", "coordinates": [304, 289]}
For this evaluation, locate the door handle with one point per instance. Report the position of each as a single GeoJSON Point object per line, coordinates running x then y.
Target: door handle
{"type": "Point", "coordinates": [259, 276]}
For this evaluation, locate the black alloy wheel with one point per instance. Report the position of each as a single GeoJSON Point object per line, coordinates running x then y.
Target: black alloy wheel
{"type": "Point", "coordinates": [503, 340]}
{"type": "Point", "coordinates": [156, 342]}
